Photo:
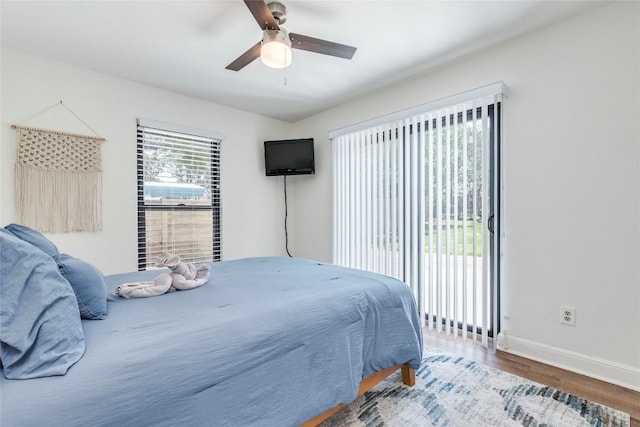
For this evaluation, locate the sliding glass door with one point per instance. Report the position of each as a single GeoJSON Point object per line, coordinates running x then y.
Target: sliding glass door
{"type": "Point", "coordinates": [418, 198]}
{"type": "Point", "coordinates": [461, 221]}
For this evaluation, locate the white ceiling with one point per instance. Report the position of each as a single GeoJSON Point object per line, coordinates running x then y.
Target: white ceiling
{"type": "Point", "coordinates": [184, 46]}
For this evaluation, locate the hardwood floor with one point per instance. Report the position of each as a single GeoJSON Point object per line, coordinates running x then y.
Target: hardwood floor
{"type": "Point", "coordinates": [580, 385]}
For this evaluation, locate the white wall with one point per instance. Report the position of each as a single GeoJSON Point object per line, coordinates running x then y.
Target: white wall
{"type": "Point", "coordinates": [252, 203]}
{"type": "Point", "coordinates": [572, 161]}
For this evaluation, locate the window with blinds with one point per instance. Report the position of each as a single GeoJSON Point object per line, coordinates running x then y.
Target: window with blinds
{"type": "Point", "coordinates": [178, 193]}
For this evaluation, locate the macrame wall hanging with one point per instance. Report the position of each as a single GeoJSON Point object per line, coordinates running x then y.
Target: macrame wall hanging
{"type": "Point", "coordinates": [58, 179]}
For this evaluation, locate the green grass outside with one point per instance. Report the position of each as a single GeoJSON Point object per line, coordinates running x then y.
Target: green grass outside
{"type": "Point", "coordinates": [462, 230]}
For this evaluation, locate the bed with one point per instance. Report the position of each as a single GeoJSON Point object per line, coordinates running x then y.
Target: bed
{"type": "Point", "coordinates": [271, 341]}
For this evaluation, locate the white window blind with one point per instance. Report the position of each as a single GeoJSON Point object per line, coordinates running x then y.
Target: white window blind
{"type": "Point", "coordinates": [178, 193]}
{"type": "Point", "coordinates": [413, 195]}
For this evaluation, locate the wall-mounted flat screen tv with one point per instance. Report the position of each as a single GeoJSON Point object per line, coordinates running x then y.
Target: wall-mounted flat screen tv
{"type": "Point", "coordinates": [289, 157]}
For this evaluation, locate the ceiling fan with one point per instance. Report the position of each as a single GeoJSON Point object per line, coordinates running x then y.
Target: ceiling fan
{"type": "Point", "coordinates": [275, 47]}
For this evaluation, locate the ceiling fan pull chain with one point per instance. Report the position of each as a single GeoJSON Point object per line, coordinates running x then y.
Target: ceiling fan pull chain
{"type": "Point", "coordinates": [285, 63]}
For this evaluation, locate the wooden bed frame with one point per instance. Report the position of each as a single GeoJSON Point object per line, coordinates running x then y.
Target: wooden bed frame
{"type": "Point", "coordinates": [408, 378]}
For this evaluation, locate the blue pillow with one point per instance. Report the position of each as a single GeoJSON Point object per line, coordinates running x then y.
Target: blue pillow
{"type": "Point", "coordinates": [34, 237]}
{"type": "Point", "coordinates": [40, 328]}
{"type": "Point", "coordinates": [87, 283]}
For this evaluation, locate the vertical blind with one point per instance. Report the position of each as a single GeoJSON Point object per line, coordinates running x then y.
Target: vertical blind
{"type": "Point", "coordinates": [413, 194]}
{"type": "Point", "coordinates": [178, 193]}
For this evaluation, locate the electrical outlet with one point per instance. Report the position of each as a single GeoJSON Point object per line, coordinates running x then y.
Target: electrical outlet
{"type": "Point", "coordinates": [568, 315]}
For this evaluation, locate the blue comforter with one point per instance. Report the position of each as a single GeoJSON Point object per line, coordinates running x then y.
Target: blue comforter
{"type": "Point", "coordinates": [266, 342]}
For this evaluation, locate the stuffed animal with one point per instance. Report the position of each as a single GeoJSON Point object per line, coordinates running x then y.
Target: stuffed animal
{"type": "Point", "coordinates": [183, 276]}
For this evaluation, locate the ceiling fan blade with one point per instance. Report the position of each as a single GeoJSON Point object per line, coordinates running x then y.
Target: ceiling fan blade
{"type": "Point", "coordinates": [298, 41]}
{"type": "Point", "coordinates": [246, 58]}
{"type": "Point", "coordinates": [261, 12]}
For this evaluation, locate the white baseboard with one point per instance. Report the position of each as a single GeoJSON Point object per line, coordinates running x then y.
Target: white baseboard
{"type": "Point", "coordinates": [601, 369]}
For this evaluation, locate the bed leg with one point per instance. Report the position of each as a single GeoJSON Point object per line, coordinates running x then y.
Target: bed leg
{"type": "Point", "coordinates": [408, 375]}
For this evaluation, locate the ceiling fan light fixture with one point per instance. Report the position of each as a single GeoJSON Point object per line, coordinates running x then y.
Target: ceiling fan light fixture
{"type": "Point", "coordinates": [275, 51]}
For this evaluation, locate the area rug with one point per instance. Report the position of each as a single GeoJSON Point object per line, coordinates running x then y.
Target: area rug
{"type": "Point", "coordinates": [454, 391]}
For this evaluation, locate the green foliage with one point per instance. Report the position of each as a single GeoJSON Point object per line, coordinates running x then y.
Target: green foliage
{"type": "Point", "coordinates": [455, 158]}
